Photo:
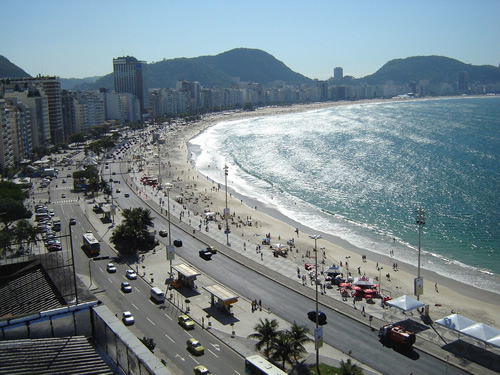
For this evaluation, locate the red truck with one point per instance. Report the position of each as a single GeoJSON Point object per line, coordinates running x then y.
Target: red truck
{"type": "Point", "coordinates": [397, 336]}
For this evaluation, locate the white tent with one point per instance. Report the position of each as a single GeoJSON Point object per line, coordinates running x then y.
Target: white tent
{"type": "Point", "coordinates": [455, 322]}
{"type": "Point", "coordinates": [481, 331]}
{"type": "Point", "coordinates": [405, 303]}
{"type": "Point", "coordinates": [478, 331]}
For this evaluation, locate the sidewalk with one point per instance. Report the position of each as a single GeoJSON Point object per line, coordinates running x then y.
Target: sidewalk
{"type": "Point", "coordinates": [282, 270]}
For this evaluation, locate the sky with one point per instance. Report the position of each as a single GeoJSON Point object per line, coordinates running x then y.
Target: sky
{"type": "Point", "coordinates": [78, 39]}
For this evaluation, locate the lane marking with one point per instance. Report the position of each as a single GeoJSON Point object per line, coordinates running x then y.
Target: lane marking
{"type": "Point", "coordinates": [150, 321]}
{"type": "Point", "coordinates": [135, 307]}
{"type": "Point", "coordinates": [138, 291]}
{"type": "Point", "coordinates": [168, 337]}
{"type": "Point", "coordinates": [168, 316]}
{"type": "Point", "coordinates": [215, 355]}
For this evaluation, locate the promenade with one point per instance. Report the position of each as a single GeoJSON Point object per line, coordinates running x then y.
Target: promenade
{"type": "Point", "coordinates": [154, 266]}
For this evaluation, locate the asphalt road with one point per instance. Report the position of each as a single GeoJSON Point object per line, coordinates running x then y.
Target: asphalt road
{"type": "Point", "coordinates": [341, 332]}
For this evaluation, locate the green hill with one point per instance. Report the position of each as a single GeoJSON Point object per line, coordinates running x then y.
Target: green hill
{"type": "Point", "coordinates": [436, 69]}
{"type": "Point", "coordinates": [10, 70]}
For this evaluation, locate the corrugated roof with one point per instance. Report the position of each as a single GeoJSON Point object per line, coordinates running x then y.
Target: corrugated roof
{"type": "Point", "coordinates": [60, 355]}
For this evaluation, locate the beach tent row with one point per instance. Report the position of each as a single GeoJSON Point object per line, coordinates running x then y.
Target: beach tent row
{"type": "Point", "coordinates": [468, 327]}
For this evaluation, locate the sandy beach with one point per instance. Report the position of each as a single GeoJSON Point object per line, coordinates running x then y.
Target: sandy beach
{"type": "Point", "coordinates": [443, 295]}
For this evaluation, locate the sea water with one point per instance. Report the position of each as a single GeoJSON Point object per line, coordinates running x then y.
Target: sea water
{"type": "Point", "coordinates": [360, 171]}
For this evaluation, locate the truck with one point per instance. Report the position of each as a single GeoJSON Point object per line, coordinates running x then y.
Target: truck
{"type": "Point", "coordinates": [396, 336]}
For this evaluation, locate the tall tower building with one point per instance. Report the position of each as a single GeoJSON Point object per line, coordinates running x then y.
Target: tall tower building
{"type": "Point", "coordinates": [338, 73]}
{"type": "Point", "coordinates": [130, 76]}
{"type": "Point", "coordinates": [463, 82]}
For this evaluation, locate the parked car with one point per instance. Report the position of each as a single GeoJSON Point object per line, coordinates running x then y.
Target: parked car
{"type": "Point", "coordinates": [126, 287]}
{"type": "Point", "coordinates": [128, 318]}
{"type": "Point", "coordinates": [185, 321]}
{"type": "Point", "coordinates": [111, 268]}
{"type": "Point", "coordinates": [131, 275]}
{"type": "Point", "coordinates": [195, 347]}
{"type": "Point", "coordinates": [163, 233]}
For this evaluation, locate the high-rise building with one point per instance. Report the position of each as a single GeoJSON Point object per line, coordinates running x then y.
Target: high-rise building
{"type": "Point", "coordinates": [130, 76]}
{"type": "Point", "coordinates": [338, 73]}
{"type": "Point", "coordinates": [463, 82]}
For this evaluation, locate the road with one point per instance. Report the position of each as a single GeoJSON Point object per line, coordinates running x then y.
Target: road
{"type": "Point", "coordinates": [341, 332]}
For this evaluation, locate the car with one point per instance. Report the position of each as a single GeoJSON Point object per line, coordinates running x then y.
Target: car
{"type": "Point", "coordinates": [205, 254]}
{"type": "Point", "coordinates": [113, 173]}
{"type": "Point", "coordinates": [195, 347]}
{"type": "Point", "coordinates": [51, 212]}
{"type": "Point", "coordinates": [311, 315]}
{"type": "Point", "coordinates": [212, 249]}
{"type": "Point", "coordinates": [128, 318]}
{"type": "Point", "coordinates": [177, 243]}
{"type": "Point", "coordinates": [126, 287]}
{"type": "Point", "coordinates": [63, 180]}
{"type": "Point", "coordinates": [185, 321]}
{"type": "Point", "coordinates": [54, 247]}
{"type": "Point", "coordinates": [111, 268]}
{"type": "Point", "coordinates": [131, 275]}
{"type": "Point", "coordinates": [127, 195]}
{"type": "Point", "coordinates": [201, 370]}
{"type": "Point", "coordinates": [68, 175]}
{"type": "Point", "coordinates": [72, 221]}
{"type": "Point", "coordinates": [63, 195]}
{"type": "Point", "coordinates": [163, 233]}
{"type": "Point", "coordinates": [118, 190]}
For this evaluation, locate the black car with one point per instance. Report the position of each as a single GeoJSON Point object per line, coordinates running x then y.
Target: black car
{"type": "Point", "coordinates": [163, 233]}
{"type": "Point", "coordinates": [205, 254]}
{"type": "Point", "coordinates": [311, 315]}
{"type": "Point", "coordinates": [72, 221]}
{"type": "Point", "coordinates": [177, 243]}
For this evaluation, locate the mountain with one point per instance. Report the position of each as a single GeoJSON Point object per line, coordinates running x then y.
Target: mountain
{"type": "Point", "coordinates": [10, 70]}
{"type": "Point", "coordinates": [250, 65]}
{"type": "Point", "coordinates": [69, 83]}
{"type": "Point", "coordinates": [436, 69]}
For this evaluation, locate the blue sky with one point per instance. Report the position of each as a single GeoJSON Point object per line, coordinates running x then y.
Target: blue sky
{"type": "Point", "coordinates": [79, 39]}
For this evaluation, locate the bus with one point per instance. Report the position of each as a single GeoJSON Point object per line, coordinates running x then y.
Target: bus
{"type": "Point", "coordinates": [91, 244]}
{"type": "Point", "coordinates": [256, 365]}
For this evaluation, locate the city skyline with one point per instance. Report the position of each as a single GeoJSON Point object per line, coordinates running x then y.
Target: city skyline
{"type": "Point", "coordinates": [80, 39]}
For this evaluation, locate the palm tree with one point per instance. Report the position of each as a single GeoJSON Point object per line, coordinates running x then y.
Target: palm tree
{"type": "Point", "coordinates": [349, 368]}
{"type": "Point", "coordinates": [282, 348]}
{"type": "Point", "coordinates": [25, 233]}
{"type": "Point", "coordinates": [265, 331]}
{"type": "Point", "coordinates": [298, 337]}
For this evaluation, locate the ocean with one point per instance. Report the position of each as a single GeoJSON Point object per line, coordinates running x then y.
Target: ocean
{"type": "Point", "coordinates": [359, 172]}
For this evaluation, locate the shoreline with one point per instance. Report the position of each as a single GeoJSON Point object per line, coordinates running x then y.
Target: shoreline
{"type": "Point", "coordinates": [450, 295]}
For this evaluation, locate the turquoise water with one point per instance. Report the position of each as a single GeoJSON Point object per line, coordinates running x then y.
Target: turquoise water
{"type": "Point", "coordinates": [359, 171]}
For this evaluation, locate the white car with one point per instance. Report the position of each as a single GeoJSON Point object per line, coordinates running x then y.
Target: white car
{"type": "Point", "coordinates": [111, 268]}
{"type": "Point", "coordinates": [128, 319]}
{"type": "Point", "coordinates": [131, 275]}
{"type": "Point", "coordinates": [126, 287]}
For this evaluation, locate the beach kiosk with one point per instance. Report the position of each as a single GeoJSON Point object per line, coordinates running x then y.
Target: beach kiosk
{"type": "Point", "coordinates": [186, 275]}
{"type": "Point", "coordinates": [221, 298]}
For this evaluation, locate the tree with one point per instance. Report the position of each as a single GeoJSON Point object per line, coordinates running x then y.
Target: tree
{"type": "Point", "coordinates": [282, 348]}
{"type": "Point", "coordinates": [265, 332]}
{"type": "Point", "coordinates": [25, 233]}
{"type": "Point", "coordinates": [298, 337]}
{"type": "Point", "coordinates": [11, 204]}
{"type": "Point", "coordinates": [349, 368]}
{"type": "Point", "coordinates": [133, 233]}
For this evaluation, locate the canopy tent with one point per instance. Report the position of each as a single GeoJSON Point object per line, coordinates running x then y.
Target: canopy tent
{"type": "Point", "coordinates": [478, 331]}
{"type": "Point", "coordinates": [455, 322]}
{"type": "Point", "coordinates": [363, 281]}
{"type": "Point", "coordinates": [405, 303]}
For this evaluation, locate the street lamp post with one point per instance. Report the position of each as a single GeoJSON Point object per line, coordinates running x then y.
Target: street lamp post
{"type": "Point", "coordinates": [73, 262]}
{"type": "Point", "coordinates": [317, 344]}
{"type": "Point", "coordinates": [420, 222]}
{"type": "Point", "coordinates": [380, 285]}
{"type": "Point", "coordinates": [168, 186]}
{"type": "Point", "coordinates": [226, 211]}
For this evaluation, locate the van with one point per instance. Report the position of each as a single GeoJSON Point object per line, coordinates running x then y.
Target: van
{"type": "Point", "coordinates": [157, 295]}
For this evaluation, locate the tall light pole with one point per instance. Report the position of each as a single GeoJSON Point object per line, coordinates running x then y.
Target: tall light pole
{"type": "Point", "coordinates": [317, 331]}
{"type": "Point", "coordinates": [420, 222]}
{"type": "Point", "coordinates": [169, 186]}
{"type": "Point", "coordinates": [380, 285]}
{"type": "Point", "coordinates": [226, 211]}
{"type": "Point", "coordinates": [73, 262]}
